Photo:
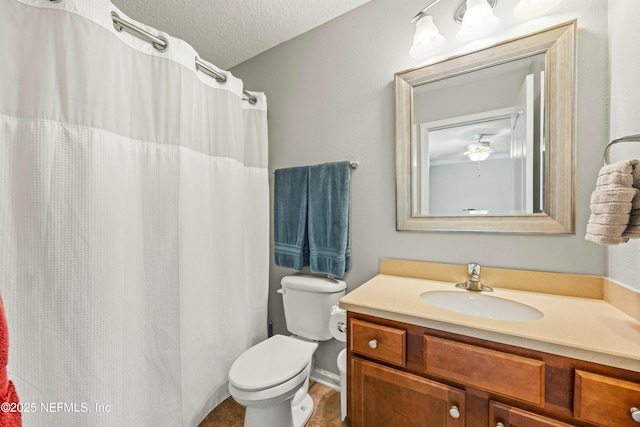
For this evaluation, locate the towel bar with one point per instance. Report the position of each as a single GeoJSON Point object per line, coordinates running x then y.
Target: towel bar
{"type": "Point", "coordinates": [353, 164]}
{"type": "Point", "coordinates": [628, 138]}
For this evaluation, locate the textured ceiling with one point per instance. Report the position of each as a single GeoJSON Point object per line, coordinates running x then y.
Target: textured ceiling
{"type": "Point", "coordinates": [228, 32]}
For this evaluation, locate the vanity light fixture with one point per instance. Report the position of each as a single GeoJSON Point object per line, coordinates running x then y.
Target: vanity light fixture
{"type": "Point", "coordinates": [476, 17]}
{"type": "Point", "coordinates": [477, 20]}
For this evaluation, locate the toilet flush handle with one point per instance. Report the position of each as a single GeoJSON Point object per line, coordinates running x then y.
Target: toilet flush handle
{"type": "Point", "coordinates": [280, 291]}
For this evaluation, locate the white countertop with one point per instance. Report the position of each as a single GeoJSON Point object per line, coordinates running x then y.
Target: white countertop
{"type": "Point", "coordinates": [582, 328]}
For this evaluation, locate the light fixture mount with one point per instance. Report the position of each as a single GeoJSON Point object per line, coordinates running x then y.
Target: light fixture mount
{"type": "Point", "coordinates": [460, 11]}
{"type": "Point", "coordinates": [424, 10]}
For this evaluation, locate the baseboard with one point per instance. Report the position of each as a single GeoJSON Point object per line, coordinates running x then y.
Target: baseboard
{"type": "Point", "coordinates": [326, 378]}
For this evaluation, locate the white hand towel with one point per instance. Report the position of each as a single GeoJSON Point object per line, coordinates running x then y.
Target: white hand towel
{"type": "Point", "coordinates": [613, 195]}
{"type": "Point", "coordinates": [615, 179]}
{"type": "Point", "coordinates": [609, 219]}
{"type": "Point", "coordinates": [619, 167]}
{"type": "Point", "coordinates": [633, 230]}
{"type": "Point", "coordinates": [611, 204]}
{"type": "Point", "coordinates": [635, 166]}
{"type": "Point", "coordinates": [611, 208]}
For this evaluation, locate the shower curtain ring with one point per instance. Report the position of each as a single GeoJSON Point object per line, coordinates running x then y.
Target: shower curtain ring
{"type": "Point", "coordinates": [158, 42]}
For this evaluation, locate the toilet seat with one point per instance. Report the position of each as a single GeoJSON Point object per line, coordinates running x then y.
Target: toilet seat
{"type": "Point", "coordinates": [269, 396]}
{"type": "Point", "coordinates": [270, 363]}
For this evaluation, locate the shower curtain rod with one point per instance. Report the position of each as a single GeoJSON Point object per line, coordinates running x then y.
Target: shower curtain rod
{"type": "Point", "coordinates": [161, 44]}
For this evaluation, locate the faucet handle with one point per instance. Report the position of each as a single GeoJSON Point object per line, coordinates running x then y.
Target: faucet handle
{"type": "Point", "coordinates": [474, 269]}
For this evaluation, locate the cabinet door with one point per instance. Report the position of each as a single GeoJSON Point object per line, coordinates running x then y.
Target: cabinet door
{"type": "Point", "coordinates": [605, 401]}
{"type": "Point", "coordinates": [501, 415]}
{"type": "Point", "coordinates": [380, 396]}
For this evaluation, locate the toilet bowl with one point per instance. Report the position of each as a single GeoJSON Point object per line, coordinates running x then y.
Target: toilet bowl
{"type": "Point", "coordinates": [271, 378]}
{"type": "Point", "coordinates": [266, 377]}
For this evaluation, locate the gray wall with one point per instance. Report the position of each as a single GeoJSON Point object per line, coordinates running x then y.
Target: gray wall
{"type": "Point", "coordinates": [623, 260]}
{"type": "Point", "coordinates": [330, 97]}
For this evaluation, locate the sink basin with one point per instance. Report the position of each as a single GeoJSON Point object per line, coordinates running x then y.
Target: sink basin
{"type": "Point", "coordinates": [481, 305]}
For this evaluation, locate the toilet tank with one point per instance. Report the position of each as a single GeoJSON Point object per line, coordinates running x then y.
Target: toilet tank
{"type": "Point", "coordinates": [307, 304]}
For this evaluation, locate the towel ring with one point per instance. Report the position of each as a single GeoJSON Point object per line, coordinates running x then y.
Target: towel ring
{"type": "Point", "coordinates": [628, 138]}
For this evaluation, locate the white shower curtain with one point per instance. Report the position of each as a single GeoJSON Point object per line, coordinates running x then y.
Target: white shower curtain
{"type": "Point", "coordinates": [133, 218]}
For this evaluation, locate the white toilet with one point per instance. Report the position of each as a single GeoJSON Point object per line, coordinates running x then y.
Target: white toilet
{"type": "Point", "coordinates": [272, 378]}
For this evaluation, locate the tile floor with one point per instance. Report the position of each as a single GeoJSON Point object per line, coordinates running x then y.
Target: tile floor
{"type": "Point", "coordinates": [326, 413]}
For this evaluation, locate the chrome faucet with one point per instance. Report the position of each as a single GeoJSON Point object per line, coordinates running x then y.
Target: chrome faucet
{"type": "Point", "coordinates": [473, 283]}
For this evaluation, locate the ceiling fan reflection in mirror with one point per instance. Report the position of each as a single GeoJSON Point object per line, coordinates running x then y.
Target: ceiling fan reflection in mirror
{"type": "Point", "coordinates": [479, 150]}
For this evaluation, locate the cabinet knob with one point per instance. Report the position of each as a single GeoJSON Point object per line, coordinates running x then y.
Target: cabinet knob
{"type": "Point", "coordinates": [373, 343]}
{"type": "Point", "coordinates": [454, 412]}
{"type": "Point", "coordinates": [635, 414]}
{"type": "Point", "coordinates": [499, 424]}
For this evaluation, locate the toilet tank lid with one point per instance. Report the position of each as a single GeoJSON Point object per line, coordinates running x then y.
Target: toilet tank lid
{"type": "Point", "coordinates": [313, 283]}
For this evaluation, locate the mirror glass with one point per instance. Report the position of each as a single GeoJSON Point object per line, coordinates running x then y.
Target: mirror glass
{"type": "Point", "coordinates": [484, 141]}
{"type": "Point", "coordinates": [479, 150]}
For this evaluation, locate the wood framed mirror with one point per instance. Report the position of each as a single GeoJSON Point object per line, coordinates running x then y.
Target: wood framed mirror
{"type": "Point", "coordinates": [485, 141]}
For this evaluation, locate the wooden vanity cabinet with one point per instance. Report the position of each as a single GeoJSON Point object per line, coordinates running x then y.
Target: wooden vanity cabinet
{"type": "Point", "coordinates": [406, 375]}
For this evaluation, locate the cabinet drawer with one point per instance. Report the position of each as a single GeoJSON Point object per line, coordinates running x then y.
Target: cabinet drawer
{"type": "Point", "coordinates": [604, 400]}
{"type": "Point", "coordinates": [502, 373]}
{"type": "Point", "coordinates": [379, 342]}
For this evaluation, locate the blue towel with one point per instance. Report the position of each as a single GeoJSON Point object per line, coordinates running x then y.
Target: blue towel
{"type": "Point", "coordinates": [290, 217]}
{"type": "Point", "coordinates": [328, 222]}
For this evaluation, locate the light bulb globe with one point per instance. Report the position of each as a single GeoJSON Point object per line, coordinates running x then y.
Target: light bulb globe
{"type": "Point", "coordinates": [427, 39]}
{"type": "Point", "coordinates": [478, 20]}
